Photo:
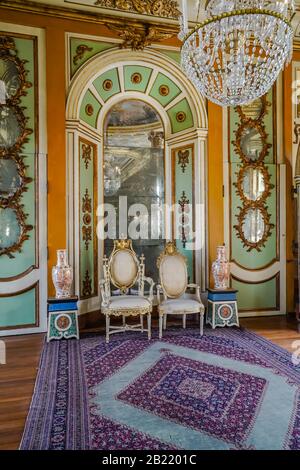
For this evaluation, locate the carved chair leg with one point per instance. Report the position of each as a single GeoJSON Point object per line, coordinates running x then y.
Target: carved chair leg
{"type": "Point", "coordinates": [142, 322]}
{"type": "Point", "coordinates": [124, 320]}
{"type": "Point", "coordinates": [201, 323]}
{"type": "Point", "coordinates": [149, 325]}
{"type": "Point", "coordinates": [165, 321]}
{"type": "Point", "coordinates": [161, 319]}
{"type": "Point", "coordinates": [107, 322]}
{"type": "Point", "coordinates": [184, 321]}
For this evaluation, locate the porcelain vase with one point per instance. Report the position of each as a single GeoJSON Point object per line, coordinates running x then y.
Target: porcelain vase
{"type": "Point", "coordinates": [62, 276]}
{"type": "Point", "coordinates": [221, 269]}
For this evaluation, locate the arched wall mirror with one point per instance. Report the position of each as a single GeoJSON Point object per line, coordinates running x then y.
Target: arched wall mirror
{"type": "Point", "coordinates": [134, 174]}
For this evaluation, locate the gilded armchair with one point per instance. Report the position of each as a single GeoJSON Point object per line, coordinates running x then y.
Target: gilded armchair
{"type": "Point", "coordinates": [123, 270]}
{"type": "Point", "coordinates": [173, 285]}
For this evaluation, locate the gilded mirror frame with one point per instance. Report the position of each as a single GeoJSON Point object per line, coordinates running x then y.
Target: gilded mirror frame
{"type": "Point", "coordinates": [268, 226]}
{"type": "Point", "coordinates": [24, 229]}
{"type": "Point", "coordinates": [264, 110]}
{"type": "Point", "coordinates": [267, 183]}
{"type": "Point", "coordinates": [264, 138]}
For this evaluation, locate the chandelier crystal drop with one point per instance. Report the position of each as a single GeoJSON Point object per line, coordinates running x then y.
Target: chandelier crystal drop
{"type": "Point", "coordinates": [236, 54]}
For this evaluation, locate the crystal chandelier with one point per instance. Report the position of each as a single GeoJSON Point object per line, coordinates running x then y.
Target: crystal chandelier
{"type": "Point", "coordinates": [235, 55]}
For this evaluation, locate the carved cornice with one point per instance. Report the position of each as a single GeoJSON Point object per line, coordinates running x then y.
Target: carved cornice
{"type": "Point", "coordinates": [74, 14]}
{"type": "Point", "coordinates": [161, 8]}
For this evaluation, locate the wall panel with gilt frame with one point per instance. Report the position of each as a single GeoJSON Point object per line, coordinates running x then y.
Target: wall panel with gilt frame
{"type": "Point", "coordinates": [255, 198]}
{"type": "Point", "coordinates": [23, 254]}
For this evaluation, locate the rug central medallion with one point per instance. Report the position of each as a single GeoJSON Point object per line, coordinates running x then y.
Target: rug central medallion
{"type": "Point", "coordinates": [219, 401]}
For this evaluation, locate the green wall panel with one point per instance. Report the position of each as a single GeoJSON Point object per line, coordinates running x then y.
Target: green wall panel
{"type": "Point", "coordinates": [183, 183]}
{"type": "Point", "coordinates": [18, 309]}
{"type": "Point", "coordinates": [253, 297]}
{"type": "Point", "coordinates": [181, 107]}
{"type": "Point", "coordinates": [254, 259]}
{"type": "Point", "coordinates": [90, 47]}
{"type": "Point", "coordinates": [90, 99]}
{"type": "Point", "coordinates": [145, 73]}
{"type": "Point", "coordinates": [26, 49]}
{"type": "Point", "coordinates": [111, 75]}
{"type": "Point", "coordinates": [174, 91]}
{"type": "Point", "coordinates": [87, 229]}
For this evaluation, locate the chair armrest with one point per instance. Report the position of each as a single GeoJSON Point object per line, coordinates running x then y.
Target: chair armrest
{"type": "Point", "coordinates": [103, 292]}
{"type": "Point", "coordinates": [197, 288]}
{"type": "Point", "coordinates": [151, 284]}
{"type": "Point", "coordinates": [159, 290]}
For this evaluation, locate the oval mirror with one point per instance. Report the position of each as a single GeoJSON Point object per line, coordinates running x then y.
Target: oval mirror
{"type": "Point", "coordinates": [253, 226]}
{"type": "Point", "coordinates": [253, 183]}
{"type": "Point", "coordinates": [251, 143]}
{"type": "Point", "coordinates": [9, 79]}
{"type": "Point", "coordinates": [253, 110]}
{"type": "Point", "coordinates": [10, 180]}
{"type": "Point", "coordinates": [10, 230]}
{"type": "Point", "coordinates": [10, 128]}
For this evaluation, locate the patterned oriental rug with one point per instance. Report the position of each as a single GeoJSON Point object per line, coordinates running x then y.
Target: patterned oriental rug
{"type": "Point", "coordinates": [230, 389]}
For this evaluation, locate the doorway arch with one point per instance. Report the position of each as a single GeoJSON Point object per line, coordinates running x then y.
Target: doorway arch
{"type": "Point", "coordinates": [105, 80]}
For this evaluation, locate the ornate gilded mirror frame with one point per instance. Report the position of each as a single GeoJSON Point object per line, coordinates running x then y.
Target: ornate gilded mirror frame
{"type": "Point", "coordinates": [12, 152]}
{"type": "Point", "coordinates": [263, 111]}
{"type": "Point", "coordinates": [257, 245]}
{"type": "Point", "coordinates": [266, 178]}
{"type": "Point", "coordinates": [251, 124]}
{"type": "Point", "coordinates": [257, 203]}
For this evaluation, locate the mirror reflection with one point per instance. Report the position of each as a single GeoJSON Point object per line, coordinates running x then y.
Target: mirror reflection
{"type": "Point", "coordinates": [10, 230]}
{"type": "Point", "coordinates": [253, 110]}
{"type": "Point", "coordinates": [10, 180]}
{"type": "Point", "coordinates": [253, 226]}
{"type": "Point", "coordinates": [134, 167]}
{"type": "Point", "coordinates": [9, 79]}
{"type": "Point", "coordinates": [253, 183]}
{"type": "Point", "coordinates": [251, 143]}
{"type": "Point", "coordinates": [9, 127]}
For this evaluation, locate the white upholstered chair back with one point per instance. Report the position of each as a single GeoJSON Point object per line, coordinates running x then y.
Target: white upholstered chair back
{"type": "Point", "coordinates": [172, 272]}
{"type": "Point", "coordinates": [124, 266]}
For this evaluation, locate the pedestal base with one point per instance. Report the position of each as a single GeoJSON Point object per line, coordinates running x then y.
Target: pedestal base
{"type": "Point", "coordinates": [62, 318]}
{"type": "Point", "coordinates": [222, 308]}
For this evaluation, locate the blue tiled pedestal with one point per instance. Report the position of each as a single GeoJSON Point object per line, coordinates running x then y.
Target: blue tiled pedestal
{"type": "Point", "coordinates": [62, 318]}
{"type": "Point", "coordinates": [222, 308]}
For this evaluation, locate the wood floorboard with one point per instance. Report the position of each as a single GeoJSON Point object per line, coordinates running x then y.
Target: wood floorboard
{"type": "Point", "coordinates": [17, 377]}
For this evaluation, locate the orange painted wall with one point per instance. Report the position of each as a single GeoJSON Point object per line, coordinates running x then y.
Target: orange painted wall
{"type": "Point", "coordinates": [291, 204]}
{"type": "Point", "coordinates": [215, 182]}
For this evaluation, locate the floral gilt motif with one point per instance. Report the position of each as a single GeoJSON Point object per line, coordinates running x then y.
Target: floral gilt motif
{"type": "Point", "coordinates": [86, 154]}
{"type": "Point", "coordinates": [80, 51]}
{"type": "Point", "coordinates": [183, 202]}
{"type": "Point", "coordinates": [86, 235]}
{"type": "Point", "coordinates": [183, 159]}
{"type": "Point", "coordinates": [87, 285]}
{"type": "Point", "coordinates": [86, 202]}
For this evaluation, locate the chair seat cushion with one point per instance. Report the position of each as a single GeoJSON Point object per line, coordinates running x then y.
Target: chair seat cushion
{"type": "Point", "coordinates": [128, 302]}
{"type": "Point", "coordinates": [180, 306]}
